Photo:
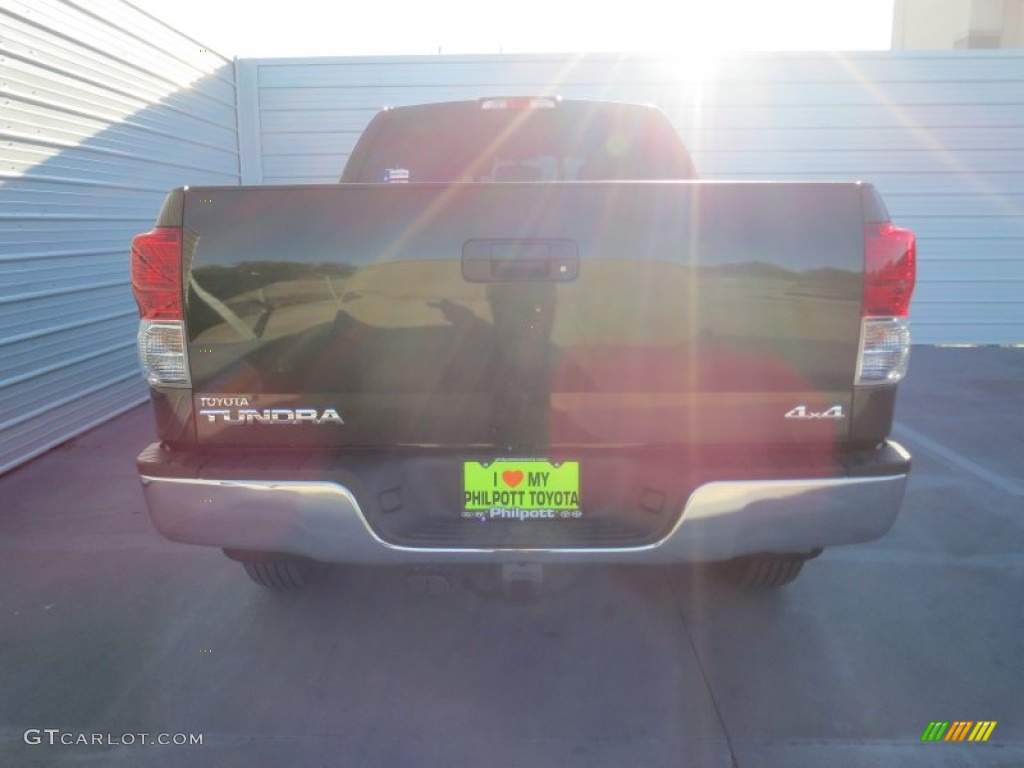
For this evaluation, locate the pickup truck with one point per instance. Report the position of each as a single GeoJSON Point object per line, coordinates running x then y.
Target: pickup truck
{"type": "Point", "coordinates": [520, 331]}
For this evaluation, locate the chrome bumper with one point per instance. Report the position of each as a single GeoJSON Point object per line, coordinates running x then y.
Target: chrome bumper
{"type": "Point", "coordinates": [721, 520]}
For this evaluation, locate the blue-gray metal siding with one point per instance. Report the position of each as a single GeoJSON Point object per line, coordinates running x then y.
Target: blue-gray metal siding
{"type": "Point", "coordinates": [940, 133]}
{"type": "Point", "coordinates": [103, 109]}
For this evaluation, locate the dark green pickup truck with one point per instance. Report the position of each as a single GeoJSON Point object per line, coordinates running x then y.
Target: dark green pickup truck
{"type": "Point", "coordinates": [520, 330]}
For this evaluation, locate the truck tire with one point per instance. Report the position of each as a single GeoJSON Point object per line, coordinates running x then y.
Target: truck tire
{"type": "Point", "coordinates": [273, 571]}
{"type": "Point", "coordinates": [765, 571]}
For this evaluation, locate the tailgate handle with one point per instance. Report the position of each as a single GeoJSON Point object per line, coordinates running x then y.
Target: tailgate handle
{"type": "Point", "coordinates": [517, 260]}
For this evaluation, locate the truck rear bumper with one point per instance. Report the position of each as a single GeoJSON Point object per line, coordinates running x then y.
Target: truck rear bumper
{"type": "Point", "coordinates": [721, 519]}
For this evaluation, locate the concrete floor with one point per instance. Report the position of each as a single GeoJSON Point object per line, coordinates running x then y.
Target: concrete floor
{"type": "Point", "coordinates": [106, 628]}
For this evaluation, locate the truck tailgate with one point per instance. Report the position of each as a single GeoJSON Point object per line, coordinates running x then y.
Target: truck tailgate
{"type": "Point", "coordinates": [523, 316]}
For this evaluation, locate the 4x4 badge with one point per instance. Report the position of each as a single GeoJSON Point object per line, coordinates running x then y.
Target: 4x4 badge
{"type": "Point", "coordinates": [801, 412]}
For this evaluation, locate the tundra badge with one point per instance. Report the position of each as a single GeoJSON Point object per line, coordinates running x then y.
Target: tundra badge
{"type": "Point", "coordinates": [233, 414]}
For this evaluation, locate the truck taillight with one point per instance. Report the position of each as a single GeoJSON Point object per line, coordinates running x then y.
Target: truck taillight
{"type": "Point", "coordinates": [162, 353]}
{"type": "Point", "coordinates": [156, 283]}
{"type": "Point", "coordinates": [156, 273]}
{"type": "Point", "coordinates": [890, 269]}
{"type": "Point", "coordinates": [890, 265]}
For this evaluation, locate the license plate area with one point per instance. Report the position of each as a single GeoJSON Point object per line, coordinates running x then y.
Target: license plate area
{"type": "Point", "coordinates": [521, 490]}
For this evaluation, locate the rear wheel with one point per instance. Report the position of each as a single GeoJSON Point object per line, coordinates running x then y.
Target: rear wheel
{"type": "Point", "coordinates": [765, 571]}
{"type": "Point", "coordinates": [276, 571]}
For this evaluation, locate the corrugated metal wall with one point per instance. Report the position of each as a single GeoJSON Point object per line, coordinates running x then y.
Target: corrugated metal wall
{"type": "Point", "coordinates": [941, 133]}
{"type": "Point", "coordinates": [102, 110]}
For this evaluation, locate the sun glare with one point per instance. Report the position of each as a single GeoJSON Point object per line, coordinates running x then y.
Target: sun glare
{"type": "Point", "coordinates": [318, 28]}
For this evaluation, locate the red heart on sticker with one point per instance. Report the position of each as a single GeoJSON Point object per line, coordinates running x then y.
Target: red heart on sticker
{"type": "Point", "coordinates": [512, 478]}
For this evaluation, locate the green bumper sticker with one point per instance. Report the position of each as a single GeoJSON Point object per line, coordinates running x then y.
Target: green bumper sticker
{"type": "Point", "coordinates": [521, 490]}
